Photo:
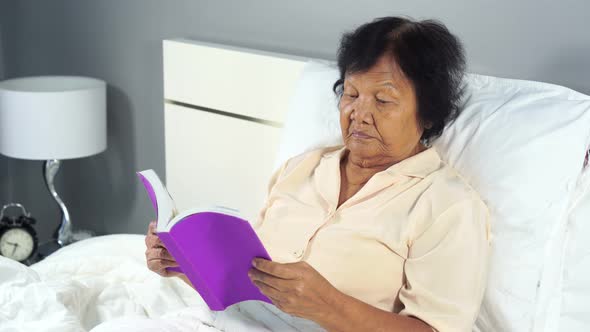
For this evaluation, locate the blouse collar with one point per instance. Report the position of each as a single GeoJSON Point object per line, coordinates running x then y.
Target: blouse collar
{"type": "Point", "coordinates": [419, 165]}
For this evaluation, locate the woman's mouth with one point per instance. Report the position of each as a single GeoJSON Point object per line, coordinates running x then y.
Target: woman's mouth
{"type": "Point", "coordinates": [360, 135]}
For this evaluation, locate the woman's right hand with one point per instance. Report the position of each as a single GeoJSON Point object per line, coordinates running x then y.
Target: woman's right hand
{"type": "Point", "coordinates": [157, 256]}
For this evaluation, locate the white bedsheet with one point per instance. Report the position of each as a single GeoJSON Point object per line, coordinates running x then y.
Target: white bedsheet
{"type": "Point", "coordinates": [102, 285]}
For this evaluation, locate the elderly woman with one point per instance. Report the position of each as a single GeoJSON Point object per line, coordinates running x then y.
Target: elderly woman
{"type": "Point", "coordinates": [379, 234]}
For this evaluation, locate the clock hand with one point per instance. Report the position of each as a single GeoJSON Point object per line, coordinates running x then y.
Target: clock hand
{"type": "Point", "coordinates": [11, 243]}
{"type": "Point", "coordinates": [14, 249]}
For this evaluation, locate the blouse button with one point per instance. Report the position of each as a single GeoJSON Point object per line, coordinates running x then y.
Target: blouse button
{"type": "Point", "coordinates": [298, 253]}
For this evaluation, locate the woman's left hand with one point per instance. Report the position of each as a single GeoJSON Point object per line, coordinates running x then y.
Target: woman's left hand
{"type": "Point", "coordinates": [295, 288]}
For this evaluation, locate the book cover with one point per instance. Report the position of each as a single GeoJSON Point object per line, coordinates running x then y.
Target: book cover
{"type": "Point", "coordinates": [213, 247]}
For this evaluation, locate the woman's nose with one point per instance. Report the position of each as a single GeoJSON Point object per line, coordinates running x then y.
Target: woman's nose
{"type": "Point", "coordinates": [362, 111]}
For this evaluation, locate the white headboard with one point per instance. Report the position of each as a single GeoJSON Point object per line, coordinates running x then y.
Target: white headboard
{"type": "Point", "coordinates": [223, 114]}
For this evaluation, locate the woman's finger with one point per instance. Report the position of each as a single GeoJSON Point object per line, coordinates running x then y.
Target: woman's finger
{"type": "Point", "coordinates": [159, 253]}
{"type": "Point", "coordinates": [152, 227]}
{"type": "Point", "coordinates": [271, 292]}
{"type": "Point", "coordinates": [158, 258]}
{"type": "Point", "coordinates": [160, 264]}
{"type": "Point", "coordinates": [170, 273]}
{"type": "Point", "coordinates": [153, 241]}
{"type": "Point", "coordinates": [269, 280]}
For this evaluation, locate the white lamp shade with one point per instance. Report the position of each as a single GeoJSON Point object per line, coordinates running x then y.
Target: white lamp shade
{"type": "Point", "coordinates": [52, 117]}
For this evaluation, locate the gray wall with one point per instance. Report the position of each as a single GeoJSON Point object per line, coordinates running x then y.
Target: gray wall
{"type": "Point", "coordinates": [3, 11]}
{"type": "Point", "coordinates": [120, 42]}
{"type": "Point", "coordinates": [6, 187]}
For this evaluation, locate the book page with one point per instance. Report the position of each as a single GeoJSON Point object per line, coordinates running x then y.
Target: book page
{"type": "Point", "coordinates": [215, 208]}
{"type": "Point", "coordinates": [161, 199]}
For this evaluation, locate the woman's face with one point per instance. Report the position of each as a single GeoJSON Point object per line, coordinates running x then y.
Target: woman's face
{"type": "Point", "coordinates": [378, 115]}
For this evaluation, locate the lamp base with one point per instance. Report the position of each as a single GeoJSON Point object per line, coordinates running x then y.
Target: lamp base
{"type": "Point", "coordinates": [46, 249]}
{"type": "Point", "coordinates": [63, 235]}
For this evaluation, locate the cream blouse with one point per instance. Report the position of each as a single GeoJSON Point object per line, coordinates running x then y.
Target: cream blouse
{"type": "Point", "coordinates": [413, 240]}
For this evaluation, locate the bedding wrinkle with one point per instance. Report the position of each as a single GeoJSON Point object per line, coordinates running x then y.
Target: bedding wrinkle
{"type": "Point", "coordinates": [102, 285]}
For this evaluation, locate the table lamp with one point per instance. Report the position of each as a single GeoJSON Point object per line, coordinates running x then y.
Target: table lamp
{"type": "Point", "coordinates": [53, 118]}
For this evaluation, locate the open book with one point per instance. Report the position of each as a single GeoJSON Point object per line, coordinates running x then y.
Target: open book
{"type": "Point", "coordinates": [213, 247]}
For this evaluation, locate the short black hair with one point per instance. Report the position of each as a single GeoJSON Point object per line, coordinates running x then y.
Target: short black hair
{"type": "Point", "coordinates": [429, 56]}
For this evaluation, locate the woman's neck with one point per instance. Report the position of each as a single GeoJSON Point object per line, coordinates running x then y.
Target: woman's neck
{"type": "Point", "coordinates": [357, 174]}
{"type": "Point", "coordinates": [358, 171]}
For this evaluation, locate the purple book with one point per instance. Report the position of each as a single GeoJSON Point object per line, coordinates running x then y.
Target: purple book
{"type": "Point", "coordinates": [214, 247]}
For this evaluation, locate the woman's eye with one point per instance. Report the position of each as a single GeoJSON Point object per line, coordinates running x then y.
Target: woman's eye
{"type": "Point", "coordinates": [348, 95]}
{"type": "Point", "coordinates": [381, 101]}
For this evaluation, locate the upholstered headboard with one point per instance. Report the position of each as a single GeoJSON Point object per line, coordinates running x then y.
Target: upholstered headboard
{"type": "Point", "coordinates": [224, 108]}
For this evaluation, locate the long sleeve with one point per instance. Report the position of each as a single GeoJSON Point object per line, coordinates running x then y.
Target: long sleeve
{"type": "Point", "coordinates": [445, 273]}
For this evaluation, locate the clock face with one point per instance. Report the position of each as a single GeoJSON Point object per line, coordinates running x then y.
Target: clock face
{"type": "Point", "coordinates": [17, 244]}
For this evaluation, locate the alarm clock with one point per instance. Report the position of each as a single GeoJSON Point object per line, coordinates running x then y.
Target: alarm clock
{"type": "Point", "coordinates": [18, 239]}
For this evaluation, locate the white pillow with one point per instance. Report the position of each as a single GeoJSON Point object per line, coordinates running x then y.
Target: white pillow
{"type": "Point", "coordinates": [521, 145]}
{"type": "Point", "coordinates": [572, 304]}
{"type": "Point", "coordinates": [313, 119]}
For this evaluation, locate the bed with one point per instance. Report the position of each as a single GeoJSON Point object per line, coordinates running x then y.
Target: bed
{"type": "Point", "coordinates": [102, 284]}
